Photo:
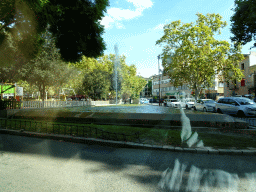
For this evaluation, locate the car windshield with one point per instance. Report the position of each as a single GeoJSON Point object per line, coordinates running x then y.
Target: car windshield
{"type": "Point", "coordinates": [128, 101]}
{"type": "Point", "coordinates": [210, 101]}
{"type": "Point", "coordinates": [244, 101]}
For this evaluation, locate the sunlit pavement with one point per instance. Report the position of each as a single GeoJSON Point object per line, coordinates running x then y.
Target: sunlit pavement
{"type": "Point", "coordinates": [30, 164]}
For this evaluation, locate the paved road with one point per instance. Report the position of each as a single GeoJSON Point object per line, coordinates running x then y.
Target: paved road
{"type": "Point", "coordinates": [30, 164]}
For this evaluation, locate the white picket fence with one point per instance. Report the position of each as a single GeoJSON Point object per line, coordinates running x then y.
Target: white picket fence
{"type": "Point", "coordinates": [54, 104]}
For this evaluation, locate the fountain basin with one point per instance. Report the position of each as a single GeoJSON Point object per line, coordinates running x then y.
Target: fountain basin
{"type": "Point", "coordinates": [165, 121]}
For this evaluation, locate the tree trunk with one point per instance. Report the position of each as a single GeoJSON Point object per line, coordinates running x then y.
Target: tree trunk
{"type": "Point", "coordinates": [43, 95]}
{"type": "Point", "coordinates": [196, 93]}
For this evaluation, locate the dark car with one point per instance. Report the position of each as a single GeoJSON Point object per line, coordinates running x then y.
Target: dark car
{"type": "Point", "coordinates": [161, 100]}
{"type": "Point", "coordinates": [152, 100]}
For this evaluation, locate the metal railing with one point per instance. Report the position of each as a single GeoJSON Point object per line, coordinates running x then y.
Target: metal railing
{"type": "Point", "coordinates": [66, 129]}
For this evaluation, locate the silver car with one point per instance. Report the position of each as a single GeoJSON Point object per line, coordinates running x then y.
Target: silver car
{"type": "Point", "coordinates": [189, 103]}
{"type": "Point", "coordinates": [239, 106]}
{"type": "Point", "coordinates": [205, 105]}
{"type": "Point", "coordinates": [173, 103]}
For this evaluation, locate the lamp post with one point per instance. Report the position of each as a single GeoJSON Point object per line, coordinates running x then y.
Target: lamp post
{"type": "Point", "coordinates": [254, 78]}
{"type": "Point", "coordinates": [159, 78]}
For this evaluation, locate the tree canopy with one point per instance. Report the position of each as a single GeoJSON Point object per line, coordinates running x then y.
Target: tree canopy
{"type": "Point", "coordinates": [96, 78]}
{"type": "Point", "coordinates": [243, 21]}
{"type": "Point", "coordinates": [191, 55]}
{"type": "Point", "coordinates": [47, 69]}
{"type": "Point", "coordinates": [74, 25]}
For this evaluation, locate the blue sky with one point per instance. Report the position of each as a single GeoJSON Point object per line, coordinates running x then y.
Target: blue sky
{"type": "Point", "coordinates": [136, 25]}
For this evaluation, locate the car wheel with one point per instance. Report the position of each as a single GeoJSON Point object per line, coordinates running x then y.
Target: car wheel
{"type": "Point", "coordinates": [219, 111]}
{"type": "Point", "coordinates": [194, 108]}
{"type": "Point", "coordinates": [240, 114]}
{"type": "Point", "coordinates": [204, 109]}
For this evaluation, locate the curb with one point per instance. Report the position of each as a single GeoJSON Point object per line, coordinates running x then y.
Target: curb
{"type": "Point", "coordinates": [122, 144]}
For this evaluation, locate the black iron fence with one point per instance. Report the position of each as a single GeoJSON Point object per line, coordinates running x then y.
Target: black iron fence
{"type": "Point", "coordinates": [66, 129]}
{"type": "Point", "coordinates": [10, 104]}
{"type": "Point", "coordinates": [250, 121]}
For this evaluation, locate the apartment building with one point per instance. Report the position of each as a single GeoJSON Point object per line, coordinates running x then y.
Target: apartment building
{"type": "Point", "coordinates": [248, 83]}
{"type": "Point", "coordinates": [147, 91]}
{"type": "Point", "coordinates": [217, 90]}
{"type": "Point", "coordinates": [166, 88]}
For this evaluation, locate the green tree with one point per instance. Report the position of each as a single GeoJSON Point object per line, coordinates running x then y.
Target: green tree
{"type": "Point", "coordinates": [93, 78]}
{"type": "Point", "coordinates": [26, 20]}
{"type": "Point", "coordinates": [47, 69]}
{"type": "Point", "coordinates": [96, 78]}
{"type": "Point", "coordinates": [193, 56]}
{"type": "Point", "coordinates": [96, 84]}
{"type": "Point", "coordinates": [132, 85]}
{"type": "Point", "coordinates": [27, 88]}
{"type": "Point", "coordinates": [243, 21]}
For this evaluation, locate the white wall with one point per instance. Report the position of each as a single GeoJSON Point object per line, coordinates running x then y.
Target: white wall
{"type": "Point", "coordinates": [252, 58]}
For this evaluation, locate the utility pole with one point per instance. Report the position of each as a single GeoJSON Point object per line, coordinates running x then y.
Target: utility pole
{"type": "Point", "coordinates": [254, 84]}
{"type": "Point", "coordinates": [159, 78]}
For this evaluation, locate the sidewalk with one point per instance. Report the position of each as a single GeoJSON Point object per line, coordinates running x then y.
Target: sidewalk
{"type": "Point", "coordinates": [121, 144]}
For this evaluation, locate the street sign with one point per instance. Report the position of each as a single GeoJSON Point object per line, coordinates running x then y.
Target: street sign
{"type": "Point", "coordinates": [19, 91]}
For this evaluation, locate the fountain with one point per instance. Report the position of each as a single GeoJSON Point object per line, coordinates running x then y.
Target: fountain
{"type": "Point", "coordinates": [116, 72]}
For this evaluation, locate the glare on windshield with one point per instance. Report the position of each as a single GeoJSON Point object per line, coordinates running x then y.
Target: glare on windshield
{"type": "Point", "coordinates": [210, 101]}
{"type": "Point", "coordinates": [245, 101]}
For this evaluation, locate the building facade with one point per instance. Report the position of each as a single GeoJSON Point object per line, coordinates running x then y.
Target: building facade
{"type": "Point", "coordinates": [167, 90]}
{"type": "Point", "coordinates": [247, 84]}
{"type": "Point", "coordinates": [147, 91]}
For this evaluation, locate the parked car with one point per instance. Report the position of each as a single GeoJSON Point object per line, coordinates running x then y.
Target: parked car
{"type": "Point", "coordinates": [144, 101]}
{"type": "Point", "coordinates": [239, 106]}
{"type": "Point", "coordinates": [189, 103]}
{"type": "Point", "coordinates": [165, 102]}
{"type": "Point", "coordinates": [205, 105]}
{"type": "Point", "coordinates": [161, 100]}
{"type": "Point", "coordinates": [173, 103]}
{"type": "Point", "coordinates": [152, 100]}
{"type": "Point", "coordinates": [249, 96]}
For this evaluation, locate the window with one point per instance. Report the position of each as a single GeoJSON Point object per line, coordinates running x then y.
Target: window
{"type": "Point", "coordinates": [221, 84]}
{"type": "Point", "coordinates": [242, 66]}
{"type": "Point", "coordinates": [243, 82]}
{"type": "Point", "coordinates": [227, 84]}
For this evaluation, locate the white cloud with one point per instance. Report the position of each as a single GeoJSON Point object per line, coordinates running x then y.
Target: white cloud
{"type": "Point", "coordinates": [107, 20]}
{"type": "Point", "coordinates": [160, 26]}
{"type": "Point", "coordinates": [143, 4]}
{"type": "Point", "coordinates": [123, 14]}
{"type": "Point", "coordinates": [118, 14]}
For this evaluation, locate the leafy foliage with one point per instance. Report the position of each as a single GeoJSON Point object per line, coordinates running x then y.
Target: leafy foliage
{"type": "Point", "coordinates": [74, 24]}
{"type": "Point", "coordinates": [243, 21]}
{"type": "Point", "coordinates": [46, 69]}
{"type": "Point", "coordinates": [96, 78]}
{"type": "Point", "coordinates": [191, 55]}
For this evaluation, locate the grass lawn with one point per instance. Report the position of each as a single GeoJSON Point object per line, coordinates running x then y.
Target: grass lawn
{"type": "Point", "coordinates": [240, 140]}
